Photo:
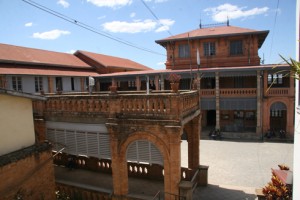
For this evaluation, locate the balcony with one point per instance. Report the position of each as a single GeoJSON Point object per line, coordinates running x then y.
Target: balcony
{"type": "Point", "coordinates": [279, 92]}
{"type": "Point", "coordinates": [133, 105]}
{"type": "Point", "coordinates": [229, 92]}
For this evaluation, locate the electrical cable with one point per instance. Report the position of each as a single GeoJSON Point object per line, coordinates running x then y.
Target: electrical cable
{"type": "Point", "coordinates": [154, 15]}
{"type": "Point", "coordinates": [87, 27]}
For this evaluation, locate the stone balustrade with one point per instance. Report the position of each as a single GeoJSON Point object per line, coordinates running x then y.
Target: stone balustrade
{"type": "Point", "coordinates": [230, 92]}
{"type": "Point", "coordinates": [163, 106]}
{"type": "Point", "coordinates": [278, 92]}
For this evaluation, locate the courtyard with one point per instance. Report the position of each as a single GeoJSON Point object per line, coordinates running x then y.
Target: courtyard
{"type": "Point", "coordinates": [236, 168]}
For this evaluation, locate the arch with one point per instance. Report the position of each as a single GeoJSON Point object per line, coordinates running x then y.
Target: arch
{"type": "Point", "coordinates": [278, 116]}
{"type": "Point", "coordinates": [159, 143]}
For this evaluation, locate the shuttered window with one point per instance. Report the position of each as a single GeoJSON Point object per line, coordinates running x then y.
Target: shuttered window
{"type": "Point", "coordinates": [86, 143]}
{"type": "Point", "coordinates": [143, 151]}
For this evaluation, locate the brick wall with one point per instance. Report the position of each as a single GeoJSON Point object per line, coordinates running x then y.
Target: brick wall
{"type": "Point", "coordinates": [27, 173]}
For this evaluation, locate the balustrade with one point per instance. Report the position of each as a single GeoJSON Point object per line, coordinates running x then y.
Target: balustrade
{"type": "Point", "coordinates": [158, 105]}
{"type": "Point", "coordinates": [278, 91]}
{"type": "Point", "coordinates": [230, 92]}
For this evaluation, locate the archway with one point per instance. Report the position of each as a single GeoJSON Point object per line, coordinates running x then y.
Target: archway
{"type": "Point", "coordinates": [144, 160]}
{"type": "Point", "coordinates": [278, 116]}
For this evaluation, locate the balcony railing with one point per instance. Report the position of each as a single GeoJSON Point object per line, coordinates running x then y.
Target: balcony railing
{"type": "Point", "coordinates": [229, 92]}
{"type": "Point", "coordinates": [169, 106]}
{"type": "Point", "coordinates": [278, 92]}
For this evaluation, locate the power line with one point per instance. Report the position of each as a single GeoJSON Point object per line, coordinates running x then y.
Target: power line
{"type": "Point", "coordinates": [275, 21]}
{"type": "Point", "coordinates": [87, 27]}
{"type": "Point", "coordinates": [154, 15]}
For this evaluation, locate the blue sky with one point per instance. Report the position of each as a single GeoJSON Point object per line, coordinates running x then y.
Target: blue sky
{"type": "Point", "coordinates": [130, 21]}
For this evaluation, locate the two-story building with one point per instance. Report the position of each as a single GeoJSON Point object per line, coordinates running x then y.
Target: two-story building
{"type": "Point", "coordinates": [238, 94]}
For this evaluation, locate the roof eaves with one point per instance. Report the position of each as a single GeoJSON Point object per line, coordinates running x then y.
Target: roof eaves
{"type": "Point", "coordinates": [21, 94]}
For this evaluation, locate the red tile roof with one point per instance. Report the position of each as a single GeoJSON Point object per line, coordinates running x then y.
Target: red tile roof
{"type": "Point", "coordinates": [113, 62]}
{"type": "Point", "coordinates": [211, 32]}
{"type": "Point", "coordinates": [25, 55]}
{"type": "Point", "coordinates": [45, 72]}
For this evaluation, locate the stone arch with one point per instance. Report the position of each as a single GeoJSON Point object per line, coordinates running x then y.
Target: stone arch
{"type": "Point", "coordinates": [278, 115]}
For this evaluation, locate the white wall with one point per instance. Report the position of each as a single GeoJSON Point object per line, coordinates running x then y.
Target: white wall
{"type": "Point", "coordinates": [296, 167]}
{"type": "Point", "coordinates": [16, 122]}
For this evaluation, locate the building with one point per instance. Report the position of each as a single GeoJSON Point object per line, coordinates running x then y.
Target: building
{"type": "Point", "coordinates": [25, 165]}
{"type": "Point", "coordinates": [238, 94]}
{"type": "Point", "coordinates": [137, 131]}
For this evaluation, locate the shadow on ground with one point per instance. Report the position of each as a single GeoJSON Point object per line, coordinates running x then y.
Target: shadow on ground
{"type": "Point", "coordinates": [216, 192]}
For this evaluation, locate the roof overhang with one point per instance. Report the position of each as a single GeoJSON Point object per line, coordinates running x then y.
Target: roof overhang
{"type": "Point", "coordinates": [22, 94]}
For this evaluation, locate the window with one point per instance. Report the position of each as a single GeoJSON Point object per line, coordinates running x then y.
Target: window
{"type": "Point", "coordinates": [17, 83]}
{"type": "Point", "coordinates": [209, 48]}
{"type": "Point", "coordinates": [38, 83]}
{"type": "Point", "coordinates": [131, 84]}
{"type": "Point", "coordinates": [184, 51]}
{"type": "Point", "coordinates": [236, 47]}
{"type": "Point", "coordinates": [276, 79]}
{"type": "Point", "coordinates": [238, 82]}
{"type": "Point", "coordinates": [72, 84]}
{"type": "Point", "coordinates": [59, 86]}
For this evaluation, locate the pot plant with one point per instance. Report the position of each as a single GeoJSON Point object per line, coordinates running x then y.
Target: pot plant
{"type": "Point", "coordinates": [174, 81]}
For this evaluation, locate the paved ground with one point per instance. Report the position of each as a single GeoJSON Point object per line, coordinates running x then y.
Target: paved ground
{"type": "Point", "coordinates": [235, 170]}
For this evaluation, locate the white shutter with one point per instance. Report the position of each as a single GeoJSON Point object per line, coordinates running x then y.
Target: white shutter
{"type": "Point", "coordinates": [92, 141]}
{"type": "Point", "coordinates": [60, 139]}
{"type": "Point", "coordinates": [104, 146]}
{"type": "Point", "coordinates": [81, 143]}
{"type": "Point", "coordinates": [71, 142]}
{"type": "Point", "coordinates": [144, 151]}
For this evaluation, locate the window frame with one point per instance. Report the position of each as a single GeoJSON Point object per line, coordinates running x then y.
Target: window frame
{"type": "Point", "coordinates": [236, 47]}
{"type": "Point", "coordinates": [17, 83]}
{"type": "Point", "coordinates": [209, 48]}
{"type": "Point", "coordinates": [38, 83]}
{"type": "Point", "coordinates": [184, 51]}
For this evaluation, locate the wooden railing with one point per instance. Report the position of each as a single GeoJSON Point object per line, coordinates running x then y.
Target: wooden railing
{"type": "Point", "coordinates": [170, 106]}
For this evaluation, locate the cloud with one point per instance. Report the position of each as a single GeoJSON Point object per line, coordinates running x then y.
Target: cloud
{"type": "Point", "coordinates": [29, 24]}
{"type": "Point", "coordinates": [220, 13]}
{"type": "Point", "coordinates": [50, 35]}
{"type": "Point", "coordinates": [160, 63]}
{"type": "Point", "coordinates": [138, 26]}
{"type": "Point", "coordinates": [157, 1]}
{"type": "Point", "coordinates": [71, 51]}
{"type": "Point", "coordinates": [101, 17]}
{"type": "Point", "coordinates": [132, 14]}
{"type": "Point", "coordinates": [63, 3]}
{"type": "Point", "coordinates": [110, 3]}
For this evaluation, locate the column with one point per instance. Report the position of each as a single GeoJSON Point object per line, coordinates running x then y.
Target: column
{"type": "Point", "coordinates": [193, 132]}
{"type": "Point", "coordinates": [162, 82]}
{"type": "Point", "coordinates": [172, 169]}
{"type": "Point", "coordinates": [156, 82]}
{"type": "Point", "coordinates": [50, 84]}
{"type": "Point", "coordinates": [258, 102]}
{"type": "Point", "coordinates": [217, 102]}
{"type": "Point", "coordinates": [138, 83]}
{"type": "Point", "coordinates": [118, 164]}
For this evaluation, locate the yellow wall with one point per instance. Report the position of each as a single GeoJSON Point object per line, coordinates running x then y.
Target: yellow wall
{"type": "Point", "coordinates": [16, 123]}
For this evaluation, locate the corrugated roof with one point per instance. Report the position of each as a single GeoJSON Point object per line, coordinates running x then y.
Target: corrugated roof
{"type": "Point", "coordinates": [210, 32]}
{"type": "Point", "coordinates": [17, 54]}
{"type": "Point", "coordinates": [113, 62]}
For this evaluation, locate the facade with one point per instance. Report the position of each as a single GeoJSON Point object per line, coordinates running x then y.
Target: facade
{"type": "Point", "coordinates": [238, 94]}
{"type": "Point", "coordinates": [26, 166]}
{"type": "Point", "coordinates": [137, 131]}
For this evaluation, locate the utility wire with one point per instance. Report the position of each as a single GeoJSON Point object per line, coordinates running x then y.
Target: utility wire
{"type": "Point", "coordinates": [87, 27]}
{"type": "Point", "coordinates": [154, 15]}
{"type": "Point", "coordinates": [274, 25]}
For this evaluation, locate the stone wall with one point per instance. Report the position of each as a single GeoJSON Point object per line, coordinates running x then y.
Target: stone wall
{"type": "Point", "coordinates": [27, 174]}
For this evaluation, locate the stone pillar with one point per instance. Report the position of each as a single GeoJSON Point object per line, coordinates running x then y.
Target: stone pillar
{"type": "Point", "coordinates": [156, 82]}
{"type": "Point", "coordinates": [258, 103]}
{"type": "Point", "coordinates": [138, 83]}
{"type": "Point", "coordinates": [50, 84]}
{"type": "Point", "coordinates": [217, 101]}
{"type": "Point", "coordinates": [40, 129]}
{"type": "Point", "coordinates": [186, 189]}
{"type": "Point", "coordinates": [82, 84]}
{"type": "Point", "coordinates": [265, 83]}
{"type": "Point", "coordinates": [162, 82]}
{"type": "Point", "coordinates": [193, 133]}
{"type": "Point", "coordinates": [172, 170]}
{"type": "Point", "coordinates": [118, 164]}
